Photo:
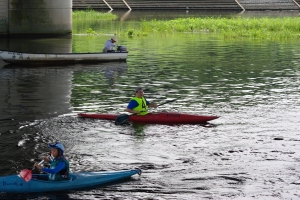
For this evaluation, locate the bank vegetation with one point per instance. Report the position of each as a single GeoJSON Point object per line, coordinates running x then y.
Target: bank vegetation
{"type": "Point", "coordinates": [235, 27]}
{"type": "Point", "coordinates": [285, 28]}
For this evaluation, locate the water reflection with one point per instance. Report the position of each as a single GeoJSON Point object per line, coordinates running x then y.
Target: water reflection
{"type": "Point", "coordinates": [114, 70]}
{"type": "Point", "coordinates": [34, 93]}
{"type": "Point", "coordinates": [30, 93]}
{"type": "Point", "coordinates": [37, 45]}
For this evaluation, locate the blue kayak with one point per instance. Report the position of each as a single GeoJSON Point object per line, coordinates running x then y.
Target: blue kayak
{"type": "Point", "coordinates": [79, 180]}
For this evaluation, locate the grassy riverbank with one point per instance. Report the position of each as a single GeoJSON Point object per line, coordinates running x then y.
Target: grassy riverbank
{"type": "Point", "coordinates": [90, 14]}
{"type": "Point", "coordinates": [281, 28]}
{"type": "Point", "coordinates": [86, 21]}
{"type": "Point", "coordinates": [257, 28]}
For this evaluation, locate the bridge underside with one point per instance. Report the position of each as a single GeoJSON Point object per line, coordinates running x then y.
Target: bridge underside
{"type": "Point", "coordinates": [24, 17]}
{"type": "Point", "coordinates": [188, 4]}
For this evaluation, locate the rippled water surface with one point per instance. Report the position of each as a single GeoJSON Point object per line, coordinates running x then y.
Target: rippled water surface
{"type": "Point", "coordinates": [251, 152]}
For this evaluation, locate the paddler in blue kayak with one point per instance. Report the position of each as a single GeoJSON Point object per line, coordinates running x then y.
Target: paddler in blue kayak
{"type": "Point", "coordinates": [138, 104]}
{"type": "Point", "coordinates": [59, 167]}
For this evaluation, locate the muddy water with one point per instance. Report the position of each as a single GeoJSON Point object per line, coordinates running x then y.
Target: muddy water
{"type": "Point", "coordinates": [251, 152]}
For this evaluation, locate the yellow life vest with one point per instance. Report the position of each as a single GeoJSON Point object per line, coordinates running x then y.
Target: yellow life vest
{"type": "Point", "coordinates": [142, 107]}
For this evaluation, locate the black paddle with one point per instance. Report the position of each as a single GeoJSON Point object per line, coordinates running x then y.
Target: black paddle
{"type": "Point", "coordinates": [168, 101]}
{"type": "Point", "coordinates": [123, 118]}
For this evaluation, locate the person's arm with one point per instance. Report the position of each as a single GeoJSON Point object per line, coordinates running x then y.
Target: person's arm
{"type": "Point", "coordinates": [132, 104]}
{"type": "Point", "coordinates": [58, 168]}
{"type": "Point", "coordinates": [132, 111]}
{"type": "Point", "coordinates": [112, 46]}
{"type": "Point", "coordinates": [153, 105]}
{"type": "Point", "coordinates": [47, 159]}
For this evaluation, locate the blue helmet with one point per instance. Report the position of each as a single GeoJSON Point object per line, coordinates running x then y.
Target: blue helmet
{"type": "Point", "coordinates": [58, 146]}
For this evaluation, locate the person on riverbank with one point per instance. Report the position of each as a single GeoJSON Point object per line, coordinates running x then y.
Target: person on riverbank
{"type": "Point", "coordinates": [109, 44]}
{"type": "Point", "coordinates": [138, 104]}
{"type": "Point", "coordinates": [59, 167]}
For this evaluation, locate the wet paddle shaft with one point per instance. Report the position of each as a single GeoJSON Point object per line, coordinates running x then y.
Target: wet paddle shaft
{"type": "Point", "coordinates": [168, 102]}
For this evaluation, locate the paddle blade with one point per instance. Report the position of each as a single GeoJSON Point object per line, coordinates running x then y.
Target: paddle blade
{"type": "Point", "coordinates": [121, 119]}
{"type": "Point", "coordinates": [26, 174]}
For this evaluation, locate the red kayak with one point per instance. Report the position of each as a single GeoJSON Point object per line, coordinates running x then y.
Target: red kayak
{"type": "Point", "coordinates": [157, 118]}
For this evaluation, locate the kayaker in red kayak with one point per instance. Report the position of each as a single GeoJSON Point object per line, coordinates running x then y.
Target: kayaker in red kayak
{"type": "Point", "coordinates": [138, 104]}
{"type": "Point", "coordinates": [59, 167]}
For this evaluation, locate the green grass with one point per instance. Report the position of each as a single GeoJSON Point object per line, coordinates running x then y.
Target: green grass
{"type": "Point", "coordinates": [91, 14]}
{"type": "Point", "coordinates": [87, 21]}
{"type": "Point", "coordinates": [281, 28]}
{"type": "Point", "coordinates": [256, 28]}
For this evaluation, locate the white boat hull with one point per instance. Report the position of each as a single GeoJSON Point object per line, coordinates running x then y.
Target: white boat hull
{"type": "Point", "coordinates": [61, 58]}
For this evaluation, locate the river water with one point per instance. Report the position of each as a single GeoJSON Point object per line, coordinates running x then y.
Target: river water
{"type": "Point", "coordinates": [251, 152]}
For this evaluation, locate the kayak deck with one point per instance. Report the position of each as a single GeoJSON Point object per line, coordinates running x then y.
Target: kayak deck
{"type": "Point", "coordinates": [79, 180]}
{"type": "Point", "coordinates": [156, 118]}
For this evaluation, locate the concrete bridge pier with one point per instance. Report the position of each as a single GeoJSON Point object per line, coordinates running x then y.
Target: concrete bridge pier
{"type": "Point", "coordinates": [35, 17]}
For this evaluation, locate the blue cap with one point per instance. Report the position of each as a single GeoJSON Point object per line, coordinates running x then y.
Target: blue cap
{"type": "Point", "coordinates": [57, 146]}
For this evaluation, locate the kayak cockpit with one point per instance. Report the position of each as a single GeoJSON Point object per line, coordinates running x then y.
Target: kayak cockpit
{"type": "Point", "coordinates": [44, 178]}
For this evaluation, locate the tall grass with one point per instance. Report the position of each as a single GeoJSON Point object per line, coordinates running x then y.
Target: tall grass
{"type": "Point", "coordinates": [258, 28]}
{"type": "Point", "coordinates": [285, 28]}
{"type": "Point", "coordinates": [90, 14]}
{"type": "Point", "coordinates": [86, 21]}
